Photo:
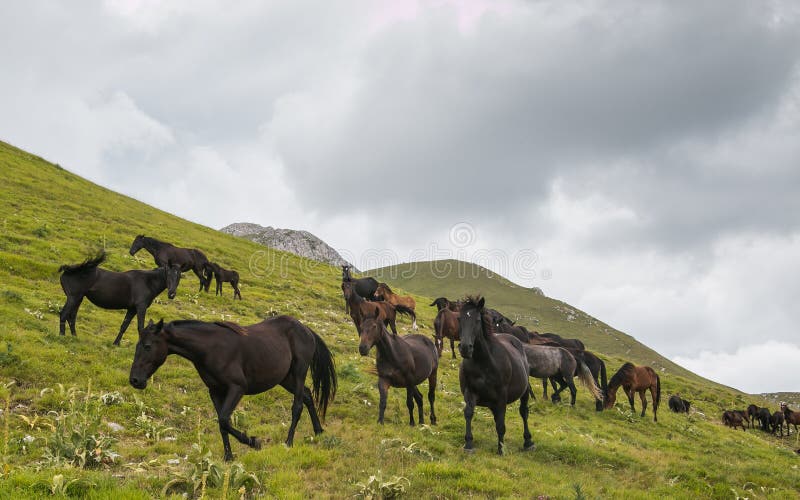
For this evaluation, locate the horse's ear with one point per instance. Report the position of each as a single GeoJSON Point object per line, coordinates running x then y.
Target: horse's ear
{"type": "Point", "coordinates": [376, 313]}
{"type": "Point", "coordinates": [512, 322]}
{"type": "Point", "coordinates": [481, 303]}
{"type": "Point", "coordinates": [160, 325]}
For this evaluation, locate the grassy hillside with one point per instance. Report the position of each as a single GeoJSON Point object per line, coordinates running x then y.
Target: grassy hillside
{"type": "Point", "coordinates": [455, 279]}
{"type": "Point", "coordinates": [66, 401]}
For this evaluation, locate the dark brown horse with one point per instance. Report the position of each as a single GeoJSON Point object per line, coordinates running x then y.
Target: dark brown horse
{"type": "Point", "coordinates": [752, 415]}
{"type": "Point", "coordinates": [445, 325]}
{"type": "Point", "coordinates": [635, 379]}
{"type": "Point", "coordinates": [679, 405]}
{"type": "Point", "coordinates": [791, 417]}
{"type": "Point", "coordinates": [360, 308]}
{"type": "Point", "coordinates": [443, 302]}
{"type": "Point", "coordinates": [133, 291]}
{"type": "Point", "coordinates": [383, 292]}
{"type": "Point", "coordinates": [234, 361]}
{"type": "Point", "coordinates": [493, 373]}
{"type": "Point", "coordinates": [733, 419]}
{"type": "Point", "coordinates": [167, 254]}
{"type": "Point", "coordinates": [402, 362]}
{"type": "Point", "coordinates": [222, 275]}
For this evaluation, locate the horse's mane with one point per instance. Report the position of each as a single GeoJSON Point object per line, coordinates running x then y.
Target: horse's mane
{"type": "Point", "coordinates": [623, 373]}
{"type": "Point", "coordinates": [384, 285]}
{"type": "Point", "coordinates": [486, 318]}
{"type": "Point", "coordinates": [196, 322]}
{"type": "Point", "coordinates": [89, 263]}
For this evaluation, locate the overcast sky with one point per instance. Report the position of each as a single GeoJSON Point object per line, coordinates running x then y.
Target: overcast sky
{"type": "Point", "coordinates": [639, 160]}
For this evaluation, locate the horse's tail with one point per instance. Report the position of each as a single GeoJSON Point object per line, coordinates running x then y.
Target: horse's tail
{"type": "Point", "coordinates": [658, 391]}
{"type": "Point", "coordinates": [323, 375]}
{"type": "Point", "coordinates": [603, 380]}
{"type": "Point", "coordinates": [437, 334]}
{"type": "Point", "coordinates": [407, 311]}
{"type": "Point", "coordinates": [86, 265]}
{"type": "Point", "coordinates": [585, 375]}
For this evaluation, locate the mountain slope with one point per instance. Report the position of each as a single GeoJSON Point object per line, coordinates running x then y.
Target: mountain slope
{"type": "Point", "coordinates": [166, 436]}
{"type": "Point", "coordinates": [456, 279]}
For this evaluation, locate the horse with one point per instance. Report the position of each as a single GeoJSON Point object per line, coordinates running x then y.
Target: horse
{"type": "Point", "coordinates": [165, 254]}
{"type": "Point", "coordinates": [402, 362]}
{"type": "Point", "coordinates": [493, 373]}
{"type": "Point", "coordinates": [505, 325]}
{"type": "Point", "coordinates": [744, 416]}
{"type": "Point", "coordinates": [383, 292]}
{"type": "Point", "coordinates": [558, 339]}
{"type": "Point", "coordinates": [752, 415]}
{"type": "Point", "coordinates": [678, 405]}
{"type": "Point", "coordinates": [364, 287]}
{"type": "Point", "coordinates": [635, 379]}
{"type": "Point", "coordinates": [791, 417]}
{"type": "Point", "coordinates": [133, 291]}
{"type": "Point", "coordinates": [222, 275]}
{"type": "Point", "coordinates": [443, 302]}
{"type": "Point", "coordinates": [558, 365]}
{"type": "Point", "coordinates": [776, 422]}
{"type": "Point", "coordinates": [360, 308]}
{"type": "Point", "coordinates": [764, 419]}
{"type": "Point", "coordinates": [446, 325]}
{"type": "Point", "coordinates": [234, 361]}
{"type": "Point", "coordinates": [596, 367]}
{"type": "Point", "coordinates": [733, 419]}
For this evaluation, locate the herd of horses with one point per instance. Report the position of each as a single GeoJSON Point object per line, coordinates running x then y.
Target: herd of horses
{"type": "Point", "coordinates": [767, 421]}
{"type": "Point", "coordinates": [498, 356]}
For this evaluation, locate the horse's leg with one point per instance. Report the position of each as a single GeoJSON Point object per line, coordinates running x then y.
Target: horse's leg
{"type": "Point", "coordinates": [499, 413]}
{"type": "Point", "coordinates": [523, 412]}
{"type": "Point", "coordinates": [432, 395]}
{"type": "Point", "coordinates": [453, 347]}
{"type": "Point", "coordinates": [418, 400]}
{"type": "Point", "coordinates": [557, 397]}
{"type": "Point", "coordinates": [125, 322]}
{"type": "Point", "coordinates": [544, 388]}
{"type": "Point", "coordinates": [410, 404]}
{"type": "Point", "coordinates": [236, 292]}
{"type": "Point", "coordinates": [629, 393]}
{"type": "Point", "coordinates": [572, 390]}
{"type": "Point", "coordinates": [383, 390]}
{"type": "Point", "coordinates": [469, 412]}
{"type": "Point", "coordinates": [225, 402]}
{"type": "Point", "coordinates": [201, 277]}
{"type": "Point", "coordinates": [308, 401]}
{"type": "Point", "coordinates": [393, 325]}
{"type": "Point", "coordinates": [69, 313]}
{"type": "Point", "coordinates": [644, 400]}
{"type": "Point", "coordinates": [562, 384]}
{"type": "Point", "coordinates": [218, 286]}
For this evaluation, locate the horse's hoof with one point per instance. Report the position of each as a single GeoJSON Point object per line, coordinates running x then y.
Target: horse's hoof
{"type": "Point", "coordinates": [529, 447]}
{"type": "Point", "coordinates": [255, 443]}
{"type": "Point", "coordinates": [469, 450]}
{"type": "Point", "coordinates": [228, 457]}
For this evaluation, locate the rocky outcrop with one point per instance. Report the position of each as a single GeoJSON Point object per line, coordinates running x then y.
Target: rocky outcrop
{"type": "Point", "coordinates": [300, 243]}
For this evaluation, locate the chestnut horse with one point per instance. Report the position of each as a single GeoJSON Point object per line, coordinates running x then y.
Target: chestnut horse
{"type": "Point", "coordinates": [446, 325]}
{"type": "Point", "coordinates": [383, 292]}
{"type": "Point", "coordinates": [634, 379]}
{"type": "Point", "coordinates": [360, 308]}
{"type": "Point", "coordinates": [791, 417]}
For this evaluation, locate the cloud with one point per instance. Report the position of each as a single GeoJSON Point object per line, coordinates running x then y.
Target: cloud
{"type": "Point", "coordinates": [753, 368]}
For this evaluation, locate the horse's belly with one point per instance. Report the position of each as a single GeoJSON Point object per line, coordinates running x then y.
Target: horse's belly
{"type": "Point", "coordinates": [108, 299]}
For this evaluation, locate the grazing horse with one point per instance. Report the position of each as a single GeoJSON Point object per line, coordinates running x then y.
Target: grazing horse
{"type": "Point", "coordinates": [752, 415]}
{"type": "Point", "coordinates": [233, 361]}
{"type": "Point", "coordinates": [733, 419]}
{"type": "Point", "coordinates": [360, 308]}
{"type": "Point", "coordinates": [635, 379]}
{"type": "Point", "coordinates": [791, 417]}
{"type": "Point", "coordinates": [446, 325]}
{"type": "Point", "coordinates": [222, 275]}
{"type": "Point", "coordinates": [493, 373]}
{"type": "Point", "coordinates": [743, 413]}
{"type": "Point", "coordinates": [678, 405]}
{"type": "Point", "coordinates": [444, 303]}
{"type": "Point", "coordinates": [364, 287]}
{"type": "Point", "coordinates": [133, 291]}
{"type": "Point", "coordinates": [166, 254]}
{"type": "Point", "coordinates": [764, 419]}
{"type": "Point", "coordinates": [402, 362]}
{"type": "Point", "coordinates": [383, 292]}
{"type": "Point", "coordinates": [558, 365]}
{"type": "Point", "coordinates": [596, 367]}
{"type": "Point", "coordinates": [558, 339]}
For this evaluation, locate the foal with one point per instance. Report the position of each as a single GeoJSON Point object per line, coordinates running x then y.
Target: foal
{"type": "Point", "coordinates": [222, 275]}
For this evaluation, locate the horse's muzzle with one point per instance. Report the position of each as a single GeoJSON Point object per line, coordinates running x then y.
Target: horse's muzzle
{"type": "Point", "coordinates": [363, 349]}
{"type": "Point", "coordinates": [465, 350]}
{"type": "Point", "coordinates": [138, 383]}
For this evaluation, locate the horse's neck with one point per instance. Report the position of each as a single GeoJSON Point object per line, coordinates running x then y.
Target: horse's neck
{"type": "Point", "coordinates": [391, 349]}
{"type": "Point", "coordinates": [157, 279]}
{"type": "Point", "coordinates": [153, 245]}
{"type": "Point", "coordinates": [186, 344]}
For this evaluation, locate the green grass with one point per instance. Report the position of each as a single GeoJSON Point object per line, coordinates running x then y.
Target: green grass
{"type": "Point", "coordinates": [167, 438]}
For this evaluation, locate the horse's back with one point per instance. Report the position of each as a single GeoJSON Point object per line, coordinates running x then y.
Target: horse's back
{"type": "Point", "coordinates": [423, 349]}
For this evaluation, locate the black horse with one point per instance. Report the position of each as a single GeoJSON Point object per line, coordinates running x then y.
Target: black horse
{"type": "Point", "coordinates": [222, 275]}
{"type": "Point", "coordinates": [678, 405]}
{"type": "Point", "coordinates": [752, 415]}
{"type": "Point", "coordinates": [233, 361]}
{"type": "Point", "coordinates": [493, 372]}
{"type": "Point", "coordinates": [130, 290]}
{"type": "Point", "coordinates": [764, 419]}
{"type": "Point", "coordinates": [558, 339]}
{"type": "Point", "coordinates": [443, 302]}
{"type": "Point", "coordinates": [364, 287]}
{"type": "Point", "coordinates": [165, 254]}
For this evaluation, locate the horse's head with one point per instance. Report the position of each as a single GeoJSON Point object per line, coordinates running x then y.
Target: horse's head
{"type": "Point", "coordinates": [138, 244]}
{"type": "Point", "coordinates": [346, 272]}
{"type": "Point", "coordinates": [347, 289]}
{"type": "Point", "coordinates": [370, 332]}
{"type": "Point", "coordinates": [440, 303]}
{"type": "Point", "coordinates": [470, 325]}
{"type": "Point", "coordinates": [609, 398]}
{"type": "Point", "coordinates": [173, 278]}
{"type": "Point", "coordinates": [151, 352]}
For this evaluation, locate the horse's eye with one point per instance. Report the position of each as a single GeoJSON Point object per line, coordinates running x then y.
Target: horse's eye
{"type": "Point", "coordinates": [147, 347]}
